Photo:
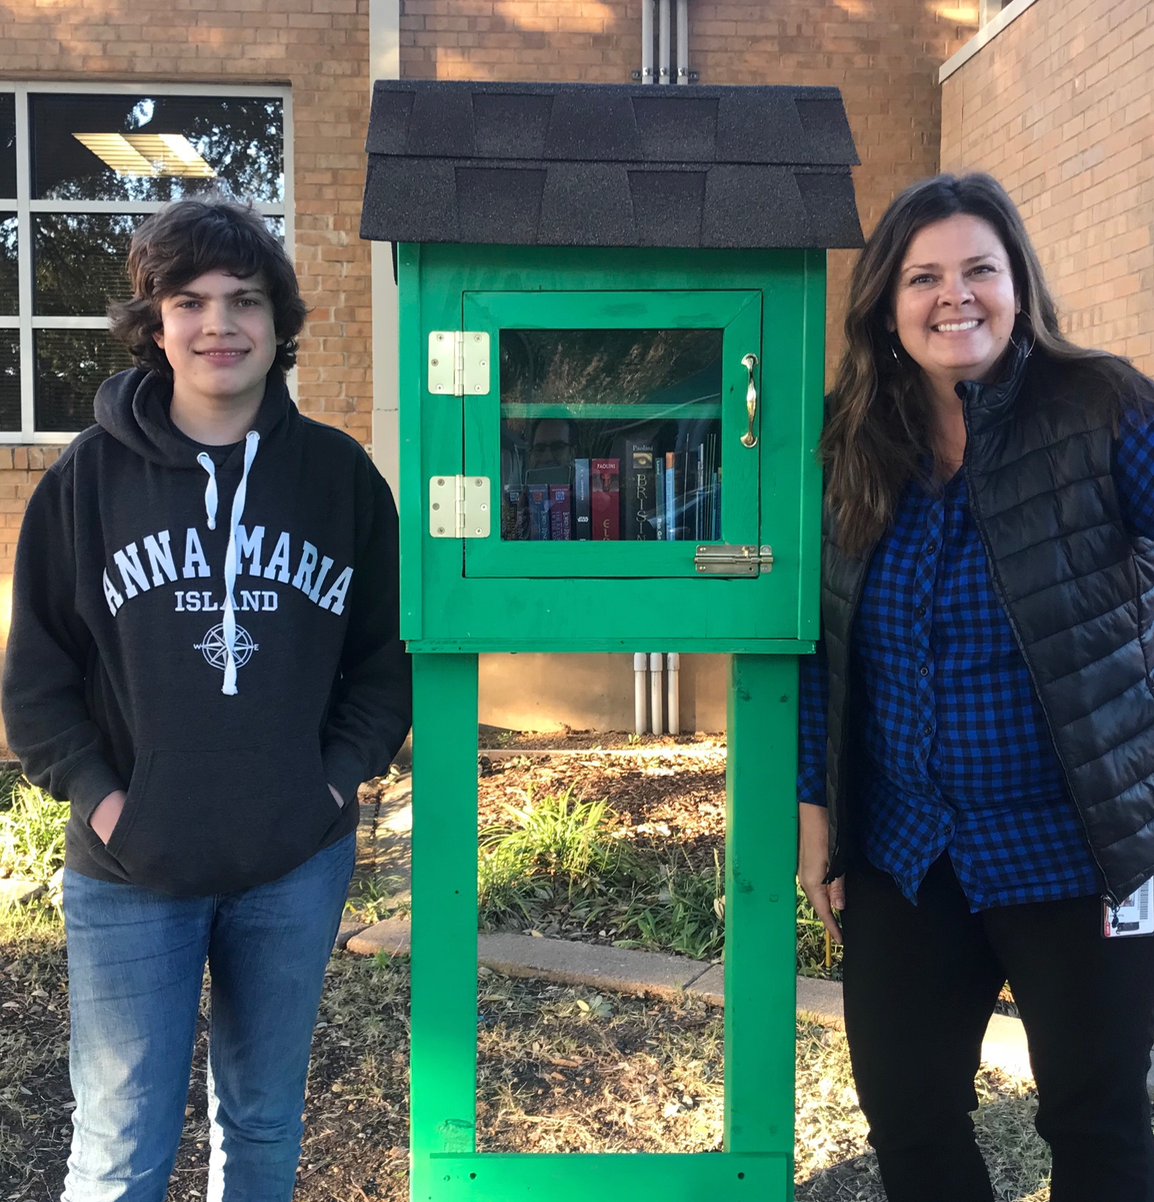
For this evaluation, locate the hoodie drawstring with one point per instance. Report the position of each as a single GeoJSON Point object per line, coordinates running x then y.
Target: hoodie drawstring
{"type": "Point", "coordinates": [251, 441]}
{"type": "Point", "coordinates": [210, 493]}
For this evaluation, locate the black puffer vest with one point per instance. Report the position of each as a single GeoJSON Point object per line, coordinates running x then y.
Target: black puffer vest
{"type": "Point", "coordinates": [1078, 590]}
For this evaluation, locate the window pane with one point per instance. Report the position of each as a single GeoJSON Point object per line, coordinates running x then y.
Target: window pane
{"type": "Point", "coordinates": [79, 262]}
{"type": "Point", "coordinates": [70, 366]}
{"type": "Point", "coordinates": [9, 380]}
{"type": "Point", "coordinates": [8, 292]}
{"type": "Point", "coordinates": [155, 148]}
{"type": "Point", "coordinates": [7, 145]}
{"type": "Point", "coordinates": [611, 434]}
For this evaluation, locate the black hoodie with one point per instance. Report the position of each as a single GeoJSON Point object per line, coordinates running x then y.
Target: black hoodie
{"type": "Point", "coordinates": [127, 668]}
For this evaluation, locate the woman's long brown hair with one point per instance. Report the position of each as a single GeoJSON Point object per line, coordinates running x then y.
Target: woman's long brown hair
{"type": "Point", "coordinates": [877, 431]}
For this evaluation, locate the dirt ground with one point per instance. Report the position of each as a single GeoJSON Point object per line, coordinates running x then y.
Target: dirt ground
{"type": "Point", "coordinates": [559, 1068]}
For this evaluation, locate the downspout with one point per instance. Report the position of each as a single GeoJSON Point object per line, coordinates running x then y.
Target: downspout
{"type": "Point", "coordinates": [663, 40]}
{"type": "Point", "coordinates": [640, 725]}
{"type": "Point", "coordinates": [656, 688]}
{"type": "Point", "coordinates": [673, 690]}
{"type": "Point", "coordinates": [647, 40]}
{"type": "Point", "coordinates": [682, 48]}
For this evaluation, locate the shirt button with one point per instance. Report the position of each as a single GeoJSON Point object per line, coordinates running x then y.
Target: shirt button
{"type": "Point", "coordinates": [920, 611]}
{"type": "Point", "coordinates": [923, 671]}
{"type": "Point", "coordinates": [931, 548]}
{"type": "Point", "coordinates": [927, 730]}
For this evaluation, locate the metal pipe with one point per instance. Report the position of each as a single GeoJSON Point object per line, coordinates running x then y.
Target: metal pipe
{"type": "Point", "coordinates": [655, 690]}
{"type": "Point", "coordinates": [647, 40]}
{"type": "Point", "coordinates": [640, 722]}
{"type": "Point", "coordinates": [663, 39]}
{"type": "Point", "coordinates": [673, 693]}
{"type": "Point", "coordinates": [682, 45]}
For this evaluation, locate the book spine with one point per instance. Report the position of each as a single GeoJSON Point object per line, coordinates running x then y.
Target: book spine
{"type": "Point", "coordinates": [605, 499]}
{"type": "Point", "coordinates": [560, 523]}
{"type": "Point", "coordinates": [670, 485]}
{"type": "Point", "coordinates": [640, 492]}
{"type": "Point", "coordinates": [582, 512]}
{"type": "Point", "coordinates": [538, 511]}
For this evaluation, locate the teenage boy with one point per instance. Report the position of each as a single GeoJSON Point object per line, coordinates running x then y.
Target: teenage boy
{"type": "Point", "coordinates": [204, 661]}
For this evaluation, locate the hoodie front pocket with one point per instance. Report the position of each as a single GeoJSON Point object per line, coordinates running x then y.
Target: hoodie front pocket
{"type": "Point", "coordinates": [203, 822]}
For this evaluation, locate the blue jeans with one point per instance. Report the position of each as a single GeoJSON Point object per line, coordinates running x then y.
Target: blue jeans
{"type": "Point", "coordinates": [135, 966]}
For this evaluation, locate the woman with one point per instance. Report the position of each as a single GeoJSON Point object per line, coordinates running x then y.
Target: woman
{"type": "Point", "coordinates": [979, 723]}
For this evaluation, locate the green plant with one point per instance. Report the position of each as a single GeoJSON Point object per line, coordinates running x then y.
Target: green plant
{"type": "Point", "coordinates": [553, 846]}
{"type": "Point", "coordinates": [31, 831]}
{"type": "Point", "coordinates": [371, 897]}
{"type": "Point", "coordinates": [682, 910]}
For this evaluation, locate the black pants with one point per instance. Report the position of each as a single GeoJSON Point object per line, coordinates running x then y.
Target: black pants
{"type": "Point", "coordinates": [920, 985]}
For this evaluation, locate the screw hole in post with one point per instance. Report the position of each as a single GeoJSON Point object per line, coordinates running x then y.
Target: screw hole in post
{"type": "Point", "coordinates": [741, 1176]}
{"type": "Point", "coordinates": [472, 1176]}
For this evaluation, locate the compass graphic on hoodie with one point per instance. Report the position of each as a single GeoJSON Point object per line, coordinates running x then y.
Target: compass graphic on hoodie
{"type": "Point", "coordinates": [214, 647]}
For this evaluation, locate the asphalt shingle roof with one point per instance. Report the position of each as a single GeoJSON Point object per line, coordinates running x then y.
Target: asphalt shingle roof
{"type": "Point", "coordinates": [609, 165]}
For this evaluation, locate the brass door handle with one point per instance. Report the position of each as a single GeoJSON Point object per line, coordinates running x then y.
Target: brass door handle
{"type": "Point", "coordinates": [749, 362]}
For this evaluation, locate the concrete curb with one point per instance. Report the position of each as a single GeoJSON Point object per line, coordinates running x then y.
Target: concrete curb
{"type": "Point", "coordinates": [624, 970]}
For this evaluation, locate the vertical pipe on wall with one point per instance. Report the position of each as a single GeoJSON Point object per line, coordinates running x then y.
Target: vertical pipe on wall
{"type": "Point", "coordinates": [656, 688]}
{"type": "Point", "coordinates": [682, 47]}
{"type": "Point", "coordinates": [640, 691]}
{"type": "Point", "coordinates": [647, 40]}
{"type": "Point", "coordinates": [663, 40]}
{"type": "Point", "coordinates": [673, 691]}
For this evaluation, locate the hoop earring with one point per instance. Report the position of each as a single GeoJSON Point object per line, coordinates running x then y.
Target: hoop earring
{"type": "Point", "coordinates": [1017, 346]}
{"type": "Point", "coordinates": [894, 350]}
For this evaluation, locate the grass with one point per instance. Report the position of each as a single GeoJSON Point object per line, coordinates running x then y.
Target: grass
{"type": "Point", "coordinates": [31, 832]}
{"type": "Point", "coordinates": [560, 860]}
{"type": "Point", "coordinates": [552, 849]}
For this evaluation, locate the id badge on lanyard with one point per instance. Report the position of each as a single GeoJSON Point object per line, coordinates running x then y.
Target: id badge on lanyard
{"type": "Point", "coordinates": [1134, 916]}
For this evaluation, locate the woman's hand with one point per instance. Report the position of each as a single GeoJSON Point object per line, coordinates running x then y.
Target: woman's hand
{"type": "Point", "coordinates": [107, 815]}
{"type": "Point", "coordinates": [813, 864]}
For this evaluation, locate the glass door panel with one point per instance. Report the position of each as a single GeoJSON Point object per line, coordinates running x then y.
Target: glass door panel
{"type": "Point", "coordinates": [611, 432]}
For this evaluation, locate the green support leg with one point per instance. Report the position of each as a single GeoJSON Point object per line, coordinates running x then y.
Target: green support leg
{"type": "Point", "coordinates": [759, 975]}
{"type": "Point", "coordinates": [760, 862]}
{"type": "Point", "coordinates": [443, 1063]}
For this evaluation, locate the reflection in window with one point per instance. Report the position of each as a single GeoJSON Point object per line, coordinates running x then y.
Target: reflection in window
{"type": "Point", "coordinates": [78, 261]}
{"type": "Point", "coordinates": [9, 295]}
{"type": "Point", "coordinates": [138, 147]}
{"type": "Point", "coordinates": [70, 366]}
{"type": "Point", "coordinates": [99, 164]}
{"type": "Point", "coordinates": [610, 434]}
{"type": "Point", "coordinates": [9, 380]}
{"type": "Point", "coordinates": [7, 145]}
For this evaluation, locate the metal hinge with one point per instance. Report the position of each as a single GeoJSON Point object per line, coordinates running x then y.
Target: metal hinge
{"type": "Point", "coordinates": [459, 363]}
{"type": "Point", "coordinates": [459, 506]}
{"type": "Point", "coordinates": [733, 560]}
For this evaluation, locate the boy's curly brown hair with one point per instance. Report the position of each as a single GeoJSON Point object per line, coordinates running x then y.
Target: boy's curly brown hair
{"type": "Point", "coordinates": [183, 241]}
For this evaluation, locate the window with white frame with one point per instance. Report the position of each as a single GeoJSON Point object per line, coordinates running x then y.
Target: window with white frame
{"type": "Point", "coordinates": [79, 170]}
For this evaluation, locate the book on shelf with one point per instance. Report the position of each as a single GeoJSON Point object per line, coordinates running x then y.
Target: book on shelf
{"type": "Point", "coordinates": [514, 512]}
{"type": "Point", "coordinates": [560, 514]}
{"type": "Point", "coordinates": [674, 485]}
{"type": "Point", "coordinates": [538, 512]}
{"type": "Point", "coordinates": [605, 499]}
{"type": "Point", "coordinates": [582, 512]}
{"type": "Point", "coordinates": [640, 488]}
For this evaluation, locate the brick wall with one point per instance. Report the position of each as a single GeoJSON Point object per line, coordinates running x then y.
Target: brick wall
{"type": "Point", "coordinates": [1058, 106]}
{"type": "Point", "coordinates": [320, 48]}
{"type": "Point", "coordinates": [884, 55]}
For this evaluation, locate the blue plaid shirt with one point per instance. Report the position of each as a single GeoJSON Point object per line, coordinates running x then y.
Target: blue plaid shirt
{"type": "Point", "coordinates": [958, 756]}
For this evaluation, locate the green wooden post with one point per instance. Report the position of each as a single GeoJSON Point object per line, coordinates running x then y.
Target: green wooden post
{"type": "Point", "coordinates": [443, 1062]}
{"type": "Point", "coordinates": [760, 843]}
